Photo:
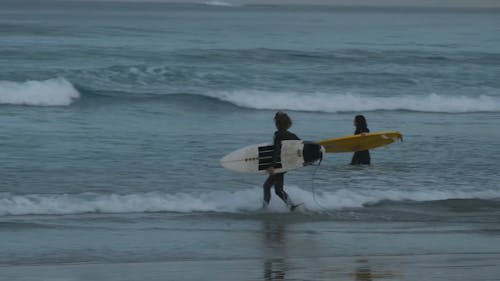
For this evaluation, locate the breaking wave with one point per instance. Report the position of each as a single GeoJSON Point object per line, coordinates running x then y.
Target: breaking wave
{"type": "Point", "coordinates": [323, 102]}
{"type": "Point", "coordinates": [51, 92]}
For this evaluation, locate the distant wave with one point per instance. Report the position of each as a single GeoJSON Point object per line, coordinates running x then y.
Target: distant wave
{"type": "Point", "coordinates": [214, 201]}
{"type": "Point", "coordinates": [323, 102]}
{"type": "Point", "coordinates": [52, 92]}
{"type": "Point", "coordinates": [221, 3]}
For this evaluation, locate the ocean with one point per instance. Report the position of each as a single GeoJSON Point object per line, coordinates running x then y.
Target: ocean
{"type": "Point", "coordinates": [114, 116]}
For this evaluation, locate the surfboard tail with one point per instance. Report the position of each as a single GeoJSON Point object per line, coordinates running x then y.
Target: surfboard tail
{"type": "Point", "coordinates": [312, 152]}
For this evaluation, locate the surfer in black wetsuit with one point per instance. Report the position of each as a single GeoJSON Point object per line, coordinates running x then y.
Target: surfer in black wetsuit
{"type": "Point", "coordinates": [361, 157]}
{"type": "Point", "coordinates": [283, 122]}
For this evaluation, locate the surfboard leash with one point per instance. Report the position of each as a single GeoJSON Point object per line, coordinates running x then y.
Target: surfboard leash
{"type": "Point", "coordinates": [313, 176]}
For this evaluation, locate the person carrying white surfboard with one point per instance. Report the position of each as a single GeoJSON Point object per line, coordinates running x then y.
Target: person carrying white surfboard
{"type": "Point", "coordinates": [283, 122]}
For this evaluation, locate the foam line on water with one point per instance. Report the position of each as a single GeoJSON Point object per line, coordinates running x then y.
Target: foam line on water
{"type": "Point", "coordinates": [217, 201]}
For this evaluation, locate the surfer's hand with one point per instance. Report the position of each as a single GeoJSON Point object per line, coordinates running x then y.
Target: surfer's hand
{"type": "Point", "coordinates": [270, 170]}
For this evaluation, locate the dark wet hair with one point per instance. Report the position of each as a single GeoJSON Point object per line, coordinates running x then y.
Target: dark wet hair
{"type": "Point", "coordinates": [282, 120]}
{"type": "Point", "coordinates": [360, 122]}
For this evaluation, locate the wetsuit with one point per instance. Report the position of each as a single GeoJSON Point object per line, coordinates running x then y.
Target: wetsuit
{"type": "Point", "coordinates": [278, 179]}
{"type": "Point", "coordinates": [361, 157]}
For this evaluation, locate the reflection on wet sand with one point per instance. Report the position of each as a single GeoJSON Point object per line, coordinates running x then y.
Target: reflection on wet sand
{"type": "Point", "coordinates": [365, 273]}
{"type": "Point", "coordinates": [274, 233]}
{"type": "Point", "coordinates": [274, 269]}
{"type": "Point", "coordinates": [276, 264]}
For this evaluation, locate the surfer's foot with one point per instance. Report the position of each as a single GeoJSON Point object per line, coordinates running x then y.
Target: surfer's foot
{"type": "Point", "coordinates": [264, 206]}
{"type": "Point", "coordinates": [294, 206]}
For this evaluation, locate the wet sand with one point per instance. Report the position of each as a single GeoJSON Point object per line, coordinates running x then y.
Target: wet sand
{"type": "Point", "coordinates": [467, 266]}
{"type": "Point", "coordinates": [265, 247]}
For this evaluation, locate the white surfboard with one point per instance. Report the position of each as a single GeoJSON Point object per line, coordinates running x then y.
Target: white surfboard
{"type": "Point", "coordinates": [257, 158]}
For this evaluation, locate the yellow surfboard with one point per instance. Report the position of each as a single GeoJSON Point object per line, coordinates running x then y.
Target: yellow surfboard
{"type": "Point", "coordinates": [360, 142]}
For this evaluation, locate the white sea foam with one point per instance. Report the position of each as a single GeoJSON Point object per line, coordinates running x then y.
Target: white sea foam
{"type": "Point", "coordinates": [52, 92]}
{"type": "Point", "coordinates": [215, 201]}
{"type": "Point", "coordinates": [332, 102]}
{"type": "Point", "coordinates": [128, 203]}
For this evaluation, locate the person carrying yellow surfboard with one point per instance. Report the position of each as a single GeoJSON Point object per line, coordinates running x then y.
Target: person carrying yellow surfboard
{"type": "Point", "coordinates": [361, 157]}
